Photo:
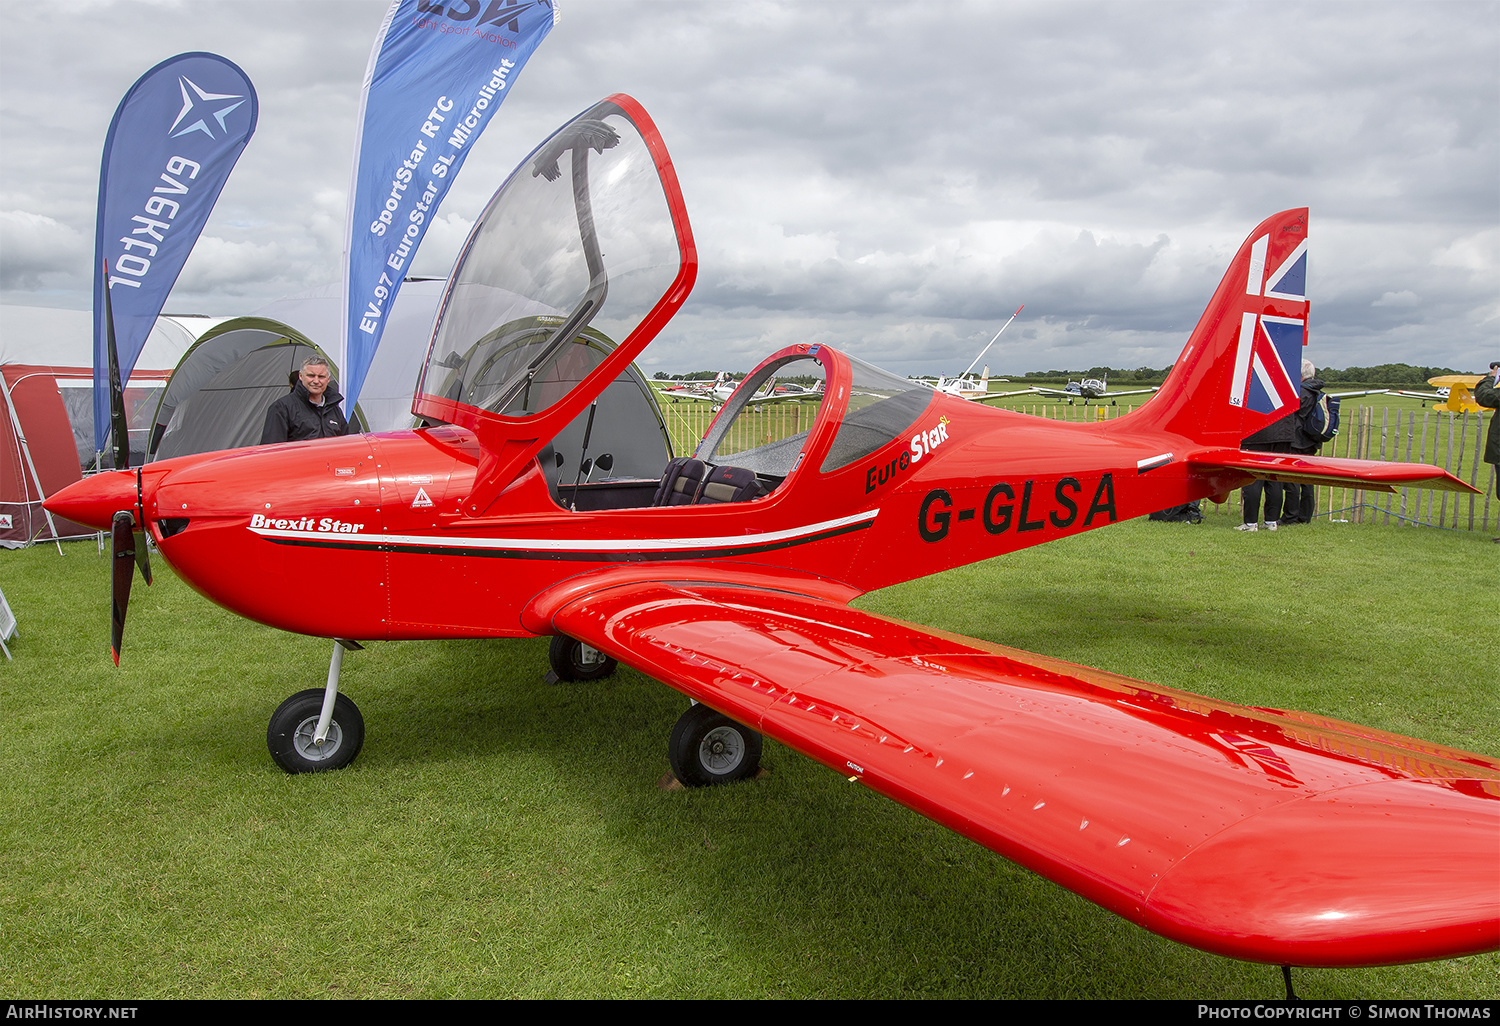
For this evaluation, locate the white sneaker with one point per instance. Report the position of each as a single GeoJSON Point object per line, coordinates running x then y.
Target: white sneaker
{"type": "Point", "coordinates": [1247, 527]}
{"type": "Point", "coordinates": [1270, 525]}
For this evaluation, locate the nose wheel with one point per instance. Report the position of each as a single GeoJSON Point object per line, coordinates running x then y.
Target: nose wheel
{"type": "Point", "coordinates": [292, 735]}
{"type": "Point", "coordinates": [708, 748]}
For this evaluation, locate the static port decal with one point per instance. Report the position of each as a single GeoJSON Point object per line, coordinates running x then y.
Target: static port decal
{"type": "Point", "coordinates": [1034, 511]}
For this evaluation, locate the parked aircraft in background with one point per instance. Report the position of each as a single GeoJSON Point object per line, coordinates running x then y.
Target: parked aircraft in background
{"type": "Point", "coordinates": [1273, 836]}
{"type": "Point", "coordinates": [1454, 393]}
{"type": "Point", "coordinates": [717, 390]}
{"type": "Point", "coordinates": [966, 387]}
{"type": "Point", "coordinates": [1091, 388]}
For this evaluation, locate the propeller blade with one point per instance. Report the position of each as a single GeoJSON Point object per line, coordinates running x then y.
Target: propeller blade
{"type": "Point", "coordinates": [142, 555]}
{"type": "Point", "coordinates": [122, 573]}
{"type": "Point", "coordinates": [119, 423]}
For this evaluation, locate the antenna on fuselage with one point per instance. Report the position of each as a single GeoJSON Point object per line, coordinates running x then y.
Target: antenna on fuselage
{"type": "Point", "coordinates": [992, 342]}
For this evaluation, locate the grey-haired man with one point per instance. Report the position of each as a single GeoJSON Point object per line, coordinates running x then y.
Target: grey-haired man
{"type": "Point", "coordinates": [310, 410]}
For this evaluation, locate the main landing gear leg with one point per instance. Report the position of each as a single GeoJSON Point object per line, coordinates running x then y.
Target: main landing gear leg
{"type": "Point", "coordinates": [317, 730]}
{"type": "Point", "coordinates": [571, 659]}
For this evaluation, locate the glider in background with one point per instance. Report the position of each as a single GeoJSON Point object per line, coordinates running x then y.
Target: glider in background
{"type": "Point", "coordinates": [1272, 836]}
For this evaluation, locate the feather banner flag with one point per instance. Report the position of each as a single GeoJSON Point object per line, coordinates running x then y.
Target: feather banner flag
{"type": "Point", "coordinates": [174, 139]}
{"type": "Point", "coordinates": [437, 73]}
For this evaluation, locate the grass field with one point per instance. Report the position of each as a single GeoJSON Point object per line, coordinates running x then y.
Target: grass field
{"type": "Point", "coordinates": [502, 837]}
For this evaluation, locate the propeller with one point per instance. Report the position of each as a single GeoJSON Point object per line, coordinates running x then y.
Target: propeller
{"type": "Point", "coordinates": [127, 529]}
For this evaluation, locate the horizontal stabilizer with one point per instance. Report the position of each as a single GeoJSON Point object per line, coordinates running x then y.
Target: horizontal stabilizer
{"type": "Point", "coordinates": [1372, 475]}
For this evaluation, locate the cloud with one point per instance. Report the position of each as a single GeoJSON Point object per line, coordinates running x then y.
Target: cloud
{"type": "Point", "coordinates": [36, 249]}
{"type": "Point", "coordinates": [897, 177]}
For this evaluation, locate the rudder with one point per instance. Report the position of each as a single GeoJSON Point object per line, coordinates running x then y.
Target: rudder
{"type": "Point", "coordinates": [1241, 367]}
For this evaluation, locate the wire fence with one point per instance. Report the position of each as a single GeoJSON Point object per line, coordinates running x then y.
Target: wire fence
{"type": "Point", "coordinates": [1453, 441]}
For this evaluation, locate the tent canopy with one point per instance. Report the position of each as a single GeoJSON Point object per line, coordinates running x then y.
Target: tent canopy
{"type": "Point", "coordinates": [385, 402]}
{"type": "Point", "coordinates": [218, 395]}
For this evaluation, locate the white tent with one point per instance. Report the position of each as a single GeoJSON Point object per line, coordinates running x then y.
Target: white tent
{"type": "Point", "coordinates": [222, 385]}
{"type": "Point", "coordinates": [385, 401]}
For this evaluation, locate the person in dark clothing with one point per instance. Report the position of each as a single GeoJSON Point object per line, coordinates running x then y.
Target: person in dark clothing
{"type": "Point", "coordinates": [1274, 437]}
{"type": "Point", "coordinates": [1297, 503]}
{"type": "Point", "coordinates": [1487, 394]}
{"type": "Point", "coordinates": [311, 410]}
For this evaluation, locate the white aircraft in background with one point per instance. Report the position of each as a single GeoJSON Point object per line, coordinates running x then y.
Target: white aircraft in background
{"type": "Point", "coordinates": [966, 387]}
{"type": "Point", "coordinates": [720, 389]}
{"type": "Point", "coordinates": [1090, 388]}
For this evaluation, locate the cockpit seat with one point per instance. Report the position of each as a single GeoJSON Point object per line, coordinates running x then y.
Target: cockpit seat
{"type": "Point", "coordinates": [681, 482]}
{"type": "Point", "coordinates": [731, 484]}
{"type": "Point", "coordinates": [689, 481]}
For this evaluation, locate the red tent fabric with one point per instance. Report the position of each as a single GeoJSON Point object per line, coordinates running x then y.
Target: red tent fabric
{"type": "Point", "coordinates": [36, 413]}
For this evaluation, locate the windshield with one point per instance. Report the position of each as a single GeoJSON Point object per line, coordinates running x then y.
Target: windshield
{"type": "Point", "coordinates": [580, 236]}
{"type": "Point", "coordinates": [881, 408]}
{"type": "Point", "coordinates": [765, 426]}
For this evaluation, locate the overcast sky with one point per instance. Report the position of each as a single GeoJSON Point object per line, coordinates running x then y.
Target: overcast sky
{"type": "Point", "coordinates": [889, 177]}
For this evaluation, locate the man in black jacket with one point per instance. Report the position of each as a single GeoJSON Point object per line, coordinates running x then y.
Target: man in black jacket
{"type": "Point", "coordinates": [1274, 437]}
{"type": "Point", "coordinates": [310, 410]}
{"type": "Point", "coordinates": [1487, 394]}
{"type": "Point", "coordinates": [1299, 498]}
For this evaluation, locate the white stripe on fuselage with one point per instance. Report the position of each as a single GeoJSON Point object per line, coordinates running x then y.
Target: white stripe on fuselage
{"type": "Point", "coordinates": [570, 544]}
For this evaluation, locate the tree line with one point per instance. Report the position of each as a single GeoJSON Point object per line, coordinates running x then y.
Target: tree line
{"type": "Point", "coordinates": [1381, 374]}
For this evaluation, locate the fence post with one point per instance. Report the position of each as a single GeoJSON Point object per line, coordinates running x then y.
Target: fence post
{"type": "Point", "coordinates": [1358, 445]}
{"type": "Point", "coordinates": [1411, 422]}
{"type": "Point", "coordinates": [1448, 466]}
{"type": "Point", "coordinates": [1489, 485]}
{"type": "Point", "coordinates": [1384, 415]}
{"type": "Point", "coordinates": [1463, 435]}
{"type": "Point", "coordinates": [1474, 471]}
{"type": "Point", "coordinates": [1426, 414]}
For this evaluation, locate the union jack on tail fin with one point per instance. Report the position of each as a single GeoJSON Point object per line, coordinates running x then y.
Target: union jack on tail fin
{"type": "Point", "coordinates": [1241, 368]}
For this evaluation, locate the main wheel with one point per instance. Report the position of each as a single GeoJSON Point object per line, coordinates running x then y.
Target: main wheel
{"type": "Point", "coordinates": [290, 735]}
{"type": "Point", "coordinates": [573, 660]}
{"type": "Point", "coordinates": [709, 748]}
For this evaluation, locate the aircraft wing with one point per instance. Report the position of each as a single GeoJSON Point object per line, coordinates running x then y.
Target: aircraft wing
{"type": "Point", "coordinates": [1372, 475]}
{"type": "Point", "coordinates": [1003, 395]}
{"type": "Point", "coordinates": [688, 393]}
{"type": "Point", "coordinates": [762, 398]}
{"type": "Point", "coordinates": [1271, 836]}
{"type": "Point", "coordinates": [1370, 391]}
{"type": "Point", "coordinates": [1133, 391]}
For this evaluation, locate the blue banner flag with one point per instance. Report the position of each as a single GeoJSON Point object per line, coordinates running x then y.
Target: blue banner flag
{"type": "Point", "coordinates": [437, 73]}
{"type": "Point", "coordinates": [174, 139]}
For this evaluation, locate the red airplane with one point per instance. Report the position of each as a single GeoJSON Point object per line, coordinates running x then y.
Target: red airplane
{"type": "Point", "coordinates": [1272, 836]}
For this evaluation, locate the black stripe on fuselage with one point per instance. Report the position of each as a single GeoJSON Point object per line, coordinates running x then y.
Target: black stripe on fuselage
{"type": "Point", "coordinates": [563, 555]}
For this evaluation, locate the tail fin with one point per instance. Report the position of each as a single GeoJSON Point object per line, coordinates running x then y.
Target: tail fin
{"type": "Point", "coordinates": [1241, 369]}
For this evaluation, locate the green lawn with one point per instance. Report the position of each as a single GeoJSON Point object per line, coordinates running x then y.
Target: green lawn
{"type": "Point", "coordinates": [502, 837]}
